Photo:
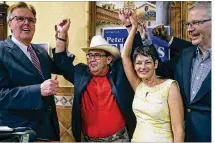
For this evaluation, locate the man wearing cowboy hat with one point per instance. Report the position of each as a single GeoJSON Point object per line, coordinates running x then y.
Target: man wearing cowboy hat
{"type": "Point", "coordinates": [102, 106]}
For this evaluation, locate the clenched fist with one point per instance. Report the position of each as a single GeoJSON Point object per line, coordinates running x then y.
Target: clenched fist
{"type": "Point", "coordinates": [62, 26]}
{"type": "Point", "coordinates": [124, 15]}
{"type": "Point", "coordinates": [49, 87]}
{"type": "Point", "coordinates": [161, 32]}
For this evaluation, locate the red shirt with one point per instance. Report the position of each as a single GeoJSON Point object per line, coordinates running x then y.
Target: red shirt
{"type": "Point", "coordinates": [101, 116]}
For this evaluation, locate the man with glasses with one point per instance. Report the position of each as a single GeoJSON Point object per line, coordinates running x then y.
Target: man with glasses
{"type": "Point", "coordinates": [102, 106]}
{"type": "Point", "coordinates": [193, 73]}
{"type": "Point", "coordinates": [26, 90]}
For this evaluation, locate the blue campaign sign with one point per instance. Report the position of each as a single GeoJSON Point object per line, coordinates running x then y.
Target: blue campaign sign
{"type": "Point", "coordinates": [115, 36]}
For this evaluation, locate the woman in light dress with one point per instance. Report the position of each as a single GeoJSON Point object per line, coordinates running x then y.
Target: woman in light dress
{"type": "Point", "coordinates": [157, 103]}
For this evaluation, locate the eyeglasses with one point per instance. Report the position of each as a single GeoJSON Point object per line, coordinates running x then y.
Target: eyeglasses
{"type": "Point", "coordinates": [195, 23]}
{"type": "Point", "coordinates": [22, 19]}
{"type": "Point", "coordinates": [97, 56]}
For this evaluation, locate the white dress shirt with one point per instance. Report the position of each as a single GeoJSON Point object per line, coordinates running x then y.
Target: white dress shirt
{"type": "Point", "coordinates": [22, 46]}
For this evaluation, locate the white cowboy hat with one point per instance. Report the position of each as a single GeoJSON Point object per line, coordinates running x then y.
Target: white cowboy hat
{"type": "Point", "coordinates": [99, 43]}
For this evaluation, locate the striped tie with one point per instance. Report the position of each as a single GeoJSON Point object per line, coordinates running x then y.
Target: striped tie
{"type": "Point", "coordinates": [35, 60]}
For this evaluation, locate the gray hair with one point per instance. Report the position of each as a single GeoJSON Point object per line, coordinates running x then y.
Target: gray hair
{"type": "Point", "coordinates": [19, 5]}
{"type": "Point", "coordinates": [202, 4]}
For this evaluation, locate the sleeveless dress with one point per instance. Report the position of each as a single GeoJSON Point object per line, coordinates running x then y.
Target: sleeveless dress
{"type": "Point", "coordinates": [150, 106]}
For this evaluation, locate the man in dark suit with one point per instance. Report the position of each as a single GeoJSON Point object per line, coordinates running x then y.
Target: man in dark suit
{"type": "Point", "coordinates": [193, 73]}
{"type": "Point", "coordinates": [26, 90]}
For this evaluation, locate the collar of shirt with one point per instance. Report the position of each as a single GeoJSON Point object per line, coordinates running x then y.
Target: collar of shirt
{"type": "Point", "coordinates": [100, 75]}
{"type": "Point", "coordinates": [207, 53]}
{"type": "Point", "coordinates": [21, 45]}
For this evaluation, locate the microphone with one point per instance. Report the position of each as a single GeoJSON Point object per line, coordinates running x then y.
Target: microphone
{"type": "Point", "coordinates": [26, 133]}
{"type": "Point", "coordinates": [19, 134]}
{"type": "Point", "coordinates": [26, 136]}
{"type": "Point", "coordinates": [32, 135]}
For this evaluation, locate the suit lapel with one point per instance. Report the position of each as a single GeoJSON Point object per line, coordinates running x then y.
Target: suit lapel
{"type": "Point", "coordinates": [187, 66]}
{"type": "Point", "coordinates": [20, 57]}
{"type": "Point", "coordinates": [85, 78]}
{"type": "Point", "coordinates": [205, 87]}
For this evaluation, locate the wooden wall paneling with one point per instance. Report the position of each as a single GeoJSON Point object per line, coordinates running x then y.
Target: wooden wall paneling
{"type": "Point", "coordinates": [178, 12]}
{"type": "Point", "coordinates": [92, 20]}
{"type": "Point", "coordinates": [1, 32]}
{"type": "Point", "coordinates": [184, 14]}
{"type": "Point", "coordinates": [3, 21]}
{"type": "Point", "coordinates": [175, 18]}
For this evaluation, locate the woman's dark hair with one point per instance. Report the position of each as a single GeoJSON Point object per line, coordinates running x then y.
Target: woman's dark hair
{"type": "Point", "coordinates": [149, 50]}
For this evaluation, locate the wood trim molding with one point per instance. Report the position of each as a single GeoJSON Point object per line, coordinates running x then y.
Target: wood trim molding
{"type": "Point", "coordinates": [3, 20]}
{"type": "Point", "coordinates": [175, 18]}
{"type": "Point", "coordinates": [178, 12]}
{"type": "Point", "coordinates": [92, 20]}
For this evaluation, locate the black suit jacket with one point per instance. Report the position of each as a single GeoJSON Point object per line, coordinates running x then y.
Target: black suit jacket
{"type": "Point", "coordinates": [197, 111]}
{"type": "Point", "coordinates": [21, 103]}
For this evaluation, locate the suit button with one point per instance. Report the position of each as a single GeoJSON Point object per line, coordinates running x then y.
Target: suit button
{"type": "Point", "coordinates": [188, 110]}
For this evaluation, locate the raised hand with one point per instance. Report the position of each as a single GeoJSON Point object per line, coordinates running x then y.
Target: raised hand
{"type": "Point", "coordinates": [133, 19]}
{"type": "Point", "coordinates": [124, 16]}
{"type": "Point", "coordinates": [49, 87]}
{"type": "Point", "coordinates": [61, 30]}
{"type": "Point", "coordinates": [143, 31]}
{"type": "Point", "coordinates": [62, 26]}
{"type": "Point", "coordinates": [161, 32]}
